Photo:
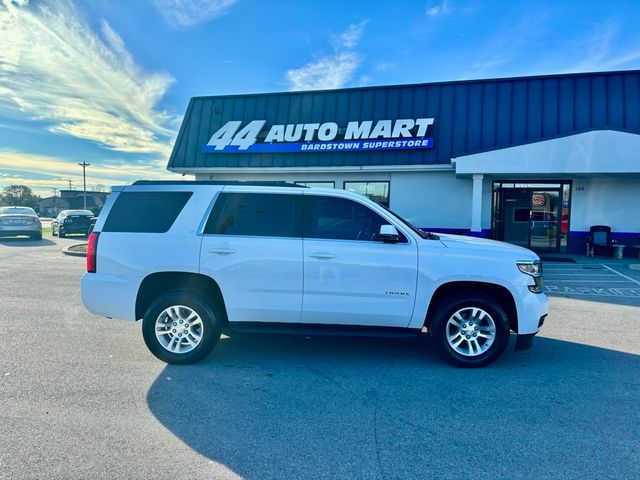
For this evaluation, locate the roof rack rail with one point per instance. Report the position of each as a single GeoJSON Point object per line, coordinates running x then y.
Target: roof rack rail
{"type": "Point", "coordinates": [214, 182]}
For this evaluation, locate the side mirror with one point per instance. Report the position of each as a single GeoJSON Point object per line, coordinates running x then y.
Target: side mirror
{"type": "Point", "coordinates": [388, 234]}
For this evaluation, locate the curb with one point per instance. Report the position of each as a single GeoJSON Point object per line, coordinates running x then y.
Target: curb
{"type": "Point", "coordinates": [635, 266]}
{"type": "Point", "coordinates": [71, 253]}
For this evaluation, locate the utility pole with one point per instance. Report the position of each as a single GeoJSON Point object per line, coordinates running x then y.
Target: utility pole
{"type": "Point", "coordinates": [84, 166]}
{"type": "Point", "coordinates": [55, 191]}
{"type": "Point", "coordinates": [69, 180]}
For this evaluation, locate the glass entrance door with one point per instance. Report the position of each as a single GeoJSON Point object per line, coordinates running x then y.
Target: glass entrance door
{"type": "Point", "coordinates": [533, 215]}
{"type": "Point", "coordinates": [544, 220]}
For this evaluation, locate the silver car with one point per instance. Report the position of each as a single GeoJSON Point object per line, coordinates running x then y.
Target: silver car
{"type": "Point", "coordinates": [16, 221]}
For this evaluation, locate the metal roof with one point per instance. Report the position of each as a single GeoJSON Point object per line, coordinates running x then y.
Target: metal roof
{"type": "Point", "coordinates": [470, 117]}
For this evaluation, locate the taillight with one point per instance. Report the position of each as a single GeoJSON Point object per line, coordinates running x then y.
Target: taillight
{"type": "Point", "coordinates": [92, 252]}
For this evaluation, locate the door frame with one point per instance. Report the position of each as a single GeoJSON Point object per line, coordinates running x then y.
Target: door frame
{"type": "Point", "coordinates": [497, 207]}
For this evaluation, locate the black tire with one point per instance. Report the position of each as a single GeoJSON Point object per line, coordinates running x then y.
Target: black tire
{"type": "Point", "coordinates": [211, 327]}
{"type": "Point", "coordinates": [455, 303]}
{"type": "Point", "coordinates": [37, 236]}
{"type": "Point", "coordinates": [61, 234]}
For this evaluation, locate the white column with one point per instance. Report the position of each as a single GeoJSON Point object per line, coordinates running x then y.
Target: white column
{"type": "Point", "coordinates": [476, 203]}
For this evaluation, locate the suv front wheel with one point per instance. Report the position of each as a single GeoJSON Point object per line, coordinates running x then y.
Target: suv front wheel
{"type": "Point", "coordinates": [179, 327]}
{"type": "Point", "coordinates": [469, 330]}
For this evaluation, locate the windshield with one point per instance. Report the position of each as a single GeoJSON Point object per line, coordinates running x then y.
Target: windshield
{"type": "Point", "coordinates": [17, 211]}
{"type": "Point", "coordinates": [408, 224]}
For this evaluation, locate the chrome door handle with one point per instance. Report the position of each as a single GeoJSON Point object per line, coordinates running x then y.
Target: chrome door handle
{"type": "Point", "coordinates": [222, 251]}
{"type": "Point", "coordinates": [322, 255]}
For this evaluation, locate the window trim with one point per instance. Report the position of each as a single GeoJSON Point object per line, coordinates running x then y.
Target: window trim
{"type": "Point", "coordinates": [379, 210]}
{"type": "Point", "coordinates": [207, 215]}
{"type": "Point", "coordinates": [189, 197]}
{"type": "Point", "coordinates": [306, 218]}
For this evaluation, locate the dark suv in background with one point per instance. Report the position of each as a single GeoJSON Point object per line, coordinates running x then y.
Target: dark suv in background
{"type": "Point", "coordinates": [73, 221]}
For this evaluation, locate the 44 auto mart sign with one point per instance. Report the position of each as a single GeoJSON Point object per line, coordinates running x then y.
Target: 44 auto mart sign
{"type": "Point", "coordinates": [401, 134]}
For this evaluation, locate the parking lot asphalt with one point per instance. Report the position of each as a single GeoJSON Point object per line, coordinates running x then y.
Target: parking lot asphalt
{"type": "Point", "coordinates": [600, 280]}
{"type": "Point", "coordinates": [80, 397]}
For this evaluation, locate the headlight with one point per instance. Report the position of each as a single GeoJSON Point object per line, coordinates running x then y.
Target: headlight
{"type": "Point", "coordinates": [531, 268]}
{"type": "Point", "coordinates": [534, 269]}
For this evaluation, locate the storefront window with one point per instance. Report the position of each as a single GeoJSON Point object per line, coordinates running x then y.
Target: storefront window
{"type": "Point", "coordinates": [317, 184]}
{"type": "Point", "coordinates": [376, 191]}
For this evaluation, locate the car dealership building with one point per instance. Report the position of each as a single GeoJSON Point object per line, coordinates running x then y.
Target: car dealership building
{"type": "Point", "coordinates": [534, 161]}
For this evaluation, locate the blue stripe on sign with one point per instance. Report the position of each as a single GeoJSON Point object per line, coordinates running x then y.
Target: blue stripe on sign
{"type": "Point", "coordinates": [338, 146]}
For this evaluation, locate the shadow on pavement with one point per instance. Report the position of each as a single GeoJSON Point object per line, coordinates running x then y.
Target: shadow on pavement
{"type": "Point", "coordinates": [25, 242]}
{"type": "Point", "coordinates": [294, 407]}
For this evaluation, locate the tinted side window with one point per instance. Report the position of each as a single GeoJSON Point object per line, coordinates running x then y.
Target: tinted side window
{"type": "Point", "coordinates": [341, 219]}
{"type": "Point", "coordinates": [255, 214]}
{"type": "Point", "coordinates": [145, 212]}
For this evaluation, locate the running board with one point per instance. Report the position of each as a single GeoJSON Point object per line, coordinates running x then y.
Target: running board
{"type": "Point", "coordinates": [310, 329]}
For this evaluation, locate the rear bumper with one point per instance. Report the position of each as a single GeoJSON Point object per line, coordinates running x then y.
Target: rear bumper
{"type": "Point", "coordinates": [75, 228]}
{"type": "Point", "coordinates": [22, 230]}
{"type": "Point", "coordinates": [110, 296]}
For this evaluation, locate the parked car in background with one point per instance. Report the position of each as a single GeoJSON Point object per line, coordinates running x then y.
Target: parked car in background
{"type": "Point", "coordinates": [15, 221]}
{"type": "Point", "coordinates": [73, 221]}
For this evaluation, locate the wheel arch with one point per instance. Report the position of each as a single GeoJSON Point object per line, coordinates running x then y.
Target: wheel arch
{"type": "Point", "coordinates": [157, 283]}
{"type": "Point", "coordinates": [499, 292]}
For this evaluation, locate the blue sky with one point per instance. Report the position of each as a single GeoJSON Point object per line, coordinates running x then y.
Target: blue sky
{"type": "Point", "coordinates": [107, 82]}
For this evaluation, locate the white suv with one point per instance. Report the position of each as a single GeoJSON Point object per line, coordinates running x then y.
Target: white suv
{"type": "Point", "coordinates": [194, 259]}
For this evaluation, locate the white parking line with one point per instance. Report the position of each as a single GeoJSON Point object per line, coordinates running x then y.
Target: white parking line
{"type": "Point", "coordinates": [563, 267]}
{"type": "Point", "coordinates": [580, 275]}
{"type": "Point", "coordinates": [622, 275]}
{"type": "Point", "coordinates": [575, 281]}
{"type": "Point", "coordinates": [592, 281]}
{"type": "Point", "coordinates": [570, 269]}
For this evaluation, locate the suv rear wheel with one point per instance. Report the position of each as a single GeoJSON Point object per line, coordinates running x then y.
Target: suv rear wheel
{"type": "Point", "coordinates": [180, 327]}
{"type": "Point", "coordinates": [469, 330]}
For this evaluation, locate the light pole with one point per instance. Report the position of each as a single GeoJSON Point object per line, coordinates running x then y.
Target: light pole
{"type": "Point", "coordinates": [84, 166]}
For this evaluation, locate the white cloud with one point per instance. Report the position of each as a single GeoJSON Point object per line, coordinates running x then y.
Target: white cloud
{"type": "Point", "coordinates": [384, 66]}
{"type": "Point", "coordinates": [187, 13]}
{"type": "Point", "coordinates": [56, 69]}
{"type": "Point", "coordinates": [438, 9]}
{"type": "Point", "coordinates": [351, 36]}
{"type": "Point", "coordinates": [42, 172]}
{"type": "Point", "coordinates": [596, 46]}
{"type": "Point", "coordinates": [601, 49]}
{"type": "Point", "coordinates": [334, 70]}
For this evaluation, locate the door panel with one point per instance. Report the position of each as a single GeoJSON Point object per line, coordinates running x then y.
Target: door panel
{"type": "Point", "coordinates": [359, 283]}
{"type": "Point", "coordinates": [517, 205]}
{"type": "Point", "coordinates": [260, 277]}
{"type": "Point", "coordinates": [252, 246]}
{"type": "Point", "coordinates": [349, 277]}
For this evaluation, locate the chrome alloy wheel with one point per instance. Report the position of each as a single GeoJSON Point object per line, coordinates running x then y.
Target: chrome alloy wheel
{"type": "Point", "coordinates": [179, 329]}
{"type": "Point", "coordinates": [470, 331]}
